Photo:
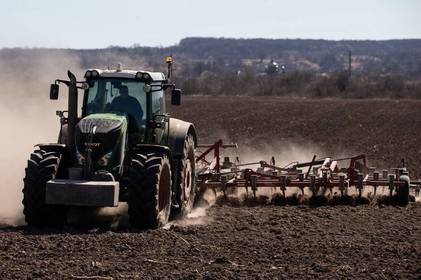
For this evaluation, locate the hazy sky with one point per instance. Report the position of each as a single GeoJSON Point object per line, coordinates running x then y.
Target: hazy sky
{"type": "Point", "coordinates": [100, 23]}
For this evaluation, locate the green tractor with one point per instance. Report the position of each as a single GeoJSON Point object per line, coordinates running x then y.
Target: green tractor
{"type": "Point", "coordinates": [123, 147]}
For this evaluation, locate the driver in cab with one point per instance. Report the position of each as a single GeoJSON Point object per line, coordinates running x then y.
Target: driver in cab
{"type": "Point", "coordinates": [124, 103]}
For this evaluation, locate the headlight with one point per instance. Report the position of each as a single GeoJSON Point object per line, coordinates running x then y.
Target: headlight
{"type": "Point", "coordinates": [146, 77]}
{"type": "Point", "coordinates": [105, 159]}
{"type": "Point", "coordinates": [147, 88]}
{"type": "Point", "coordinates": [95, 74]}
{"type": "Point", "coordinates": [88, 74]}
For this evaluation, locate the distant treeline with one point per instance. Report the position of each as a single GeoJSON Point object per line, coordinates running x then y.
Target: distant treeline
{"type": "Point", "coordinates": [193, 56]}
{"type": "Point", "coordinates": [303, 84]}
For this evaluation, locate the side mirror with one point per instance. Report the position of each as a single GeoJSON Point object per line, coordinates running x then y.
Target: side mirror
{"type": "Point", "coordinates": [147, 88]}
{"type": "Point", "coordinates": [176, 97]}
{"type": "Point", "coordinates": [54, 92]}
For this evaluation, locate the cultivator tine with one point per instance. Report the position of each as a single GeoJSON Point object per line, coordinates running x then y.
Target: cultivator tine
{"type": "Point", "coordinates": [376, 175]}
{"type": "Point", "coordinates": [274, 173]}
{"type": "Point", "coordinates": [247, 188]}
{"type": "Point", "coordinates": [342, 184]}
{"type": "Point", "coordinates": [283, 184]}
{"type": "Point", "coordinates": [253, 181]}
{"type": "Point", "coordinates": [224, 181]}
{"type": "Point", "coordinates": [301, 179]}
{"type": "Point", "coordinates": [330, 190]}
{"type": "Point", "coordinates": [360, 186]}
{"type": "Point", "coordinates": [313, 186]}
{"type": "Point", "coordinates": [391, 183]}
{"type": "Point", "coordinates": [417, 190]}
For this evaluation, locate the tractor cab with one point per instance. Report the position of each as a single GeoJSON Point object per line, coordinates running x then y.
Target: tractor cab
{"type": "Point", "coordinates": [136, 96]}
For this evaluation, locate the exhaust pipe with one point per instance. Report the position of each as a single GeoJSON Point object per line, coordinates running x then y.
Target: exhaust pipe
{"type": "Point", "coordinates": [72, 115]}
{"type": "Point", "coordinates": [72, 110]}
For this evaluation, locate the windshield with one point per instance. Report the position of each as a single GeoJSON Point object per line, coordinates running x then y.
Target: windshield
{"type": "Point", "coordinates": [117, 96]}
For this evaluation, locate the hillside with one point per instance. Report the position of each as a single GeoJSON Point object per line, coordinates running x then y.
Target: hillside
{"type": "Point", "coordinates": [195, 55]}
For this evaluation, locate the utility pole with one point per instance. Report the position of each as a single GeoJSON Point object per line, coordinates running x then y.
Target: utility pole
{"type": "Point", "coordinates": [349, 64]}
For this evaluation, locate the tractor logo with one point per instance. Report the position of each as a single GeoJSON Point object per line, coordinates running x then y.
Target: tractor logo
{"type": "Point", "coordinates": [92, 145]}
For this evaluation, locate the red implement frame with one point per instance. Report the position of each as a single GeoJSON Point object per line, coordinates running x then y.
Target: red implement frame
{"type": "Point", "coordinates": [216, 147]}
{"type": "Point", "coordinates": [328, 174]}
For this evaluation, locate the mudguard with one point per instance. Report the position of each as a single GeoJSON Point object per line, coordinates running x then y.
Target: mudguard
{"type": "Point", "coordinates": [52, 147]}
{"type": "Point", "coordinates": [177, 135]}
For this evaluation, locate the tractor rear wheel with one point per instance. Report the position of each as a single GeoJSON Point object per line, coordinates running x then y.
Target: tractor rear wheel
{"type": "Point", "coordinates": [42, 167]}
{"type": "Point", "coordinates": [149, 191]}
{"type": "Point", "coordinates": [186, 189]}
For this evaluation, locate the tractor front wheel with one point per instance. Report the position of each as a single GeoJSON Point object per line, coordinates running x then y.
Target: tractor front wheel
{"type": "Point", "coordinates": [42, 167]}
{"type": "Point", "coordinates": [149, 191]}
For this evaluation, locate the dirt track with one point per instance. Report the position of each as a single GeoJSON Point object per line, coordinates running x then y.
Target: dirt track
{"type": "Point", "coordinates": [261, 242]}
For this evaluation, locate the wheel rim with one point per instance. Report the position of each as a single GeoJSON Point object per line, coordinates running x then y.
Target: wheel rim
{"type": "Point", "coordinates": [164, 190]}
{"type": "Point", "coordinates": [187, 179]}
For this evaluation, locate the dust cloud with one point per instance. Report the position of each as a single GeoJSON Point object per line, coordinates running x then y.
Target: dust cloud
{"type": "Point", "coordinates": [199, 214]}
{"type": "Point", "coordinates": [27, 118]}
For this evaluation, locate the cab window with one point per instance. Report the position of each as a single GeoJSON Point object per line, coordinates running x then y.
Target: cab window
{"type": "Point", "coordinates": [117, 96]}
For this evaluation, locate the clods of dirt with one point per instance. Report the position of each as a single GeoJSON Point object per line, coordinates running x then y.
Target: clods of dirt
{"type": "Point", "coordinates": [258, 242]}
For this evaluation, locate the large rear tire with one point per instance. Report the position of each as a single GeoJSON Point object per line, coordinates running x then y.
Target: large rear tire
{"type": "Point", "coordinates": [42, 167]}
{"type": "Point", "coordinates": [149, 191]}
{"type": "Point", "coordinates": [186, 190]}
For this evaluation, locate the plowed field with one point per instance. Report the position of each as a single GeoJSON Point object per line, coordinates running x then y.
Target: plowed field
{"type": "Point", "coordinates": [259, 241]}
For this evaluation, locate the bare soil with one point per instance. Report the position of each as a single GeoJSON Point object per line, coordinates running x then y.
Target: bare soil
{"type": "Point", "coordinates": [385, 130]}
{"type": "Point", "coordinates": [254, 241]}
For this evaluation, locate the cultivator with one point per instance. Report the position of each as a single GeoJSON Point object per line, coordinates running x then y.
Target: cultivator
{"type": "Point", "coordinates": [316, 177]}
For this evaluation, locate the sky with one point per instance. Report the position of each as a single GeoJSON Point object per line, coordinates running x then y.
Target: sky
{"type": "Point", "coordinates": [102, 23]}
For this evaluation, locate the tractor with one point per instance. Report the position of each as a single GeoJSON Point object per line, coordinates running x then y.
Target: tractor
{"type": "Point", "coordinates": [121, 146]}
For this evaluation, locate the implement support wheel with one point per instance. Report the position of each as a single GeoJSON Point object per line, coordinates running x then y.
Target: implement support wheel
{"type": "Point", "coordinates": [402, 193]}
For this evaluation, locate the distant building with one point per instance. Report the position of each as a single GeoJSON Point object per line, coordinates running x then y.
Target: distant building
{"type": "Point", "coordinates": [273, 68]}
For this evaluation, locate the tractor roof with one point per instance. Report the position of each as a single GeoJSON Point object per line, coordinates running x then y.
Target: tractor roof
{"type": "Point", "coordinates": [131, 74]}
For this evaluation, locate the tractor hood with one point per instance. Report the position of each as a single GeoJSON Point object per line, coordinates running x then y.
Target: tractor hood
{"type": "Point", "coordinates": [104, 133]}
{"type": "Point", "coordinates": [101, 123]}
